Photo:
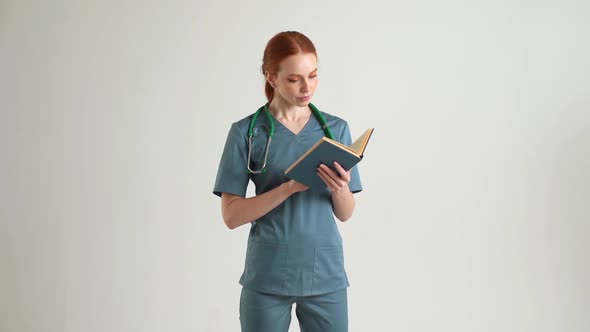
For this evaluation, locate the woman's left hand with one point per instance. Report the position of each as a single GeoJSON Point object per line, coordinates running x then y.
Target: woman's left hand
{"type": "Point", "coordinates": [334, 180]}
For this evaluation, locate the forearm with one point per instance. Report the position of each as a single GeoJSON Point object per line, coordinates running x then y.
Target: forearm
{"type": "Point", "coordinates": [343, 203]}
{"type": "Point", "coordinates": [238, 211]}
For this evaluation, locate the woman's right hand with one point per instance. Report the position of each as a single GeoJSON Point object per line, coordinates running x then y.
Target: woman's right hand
{"type": "Point", "coordinates": [295, 187]}
{"type": "Point", "coordinates": [237, 210]}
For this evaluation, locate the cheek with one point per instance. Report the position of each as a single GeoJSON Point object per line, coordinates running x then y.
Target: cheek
{"type": "Point", "coordinates": [292, 89]}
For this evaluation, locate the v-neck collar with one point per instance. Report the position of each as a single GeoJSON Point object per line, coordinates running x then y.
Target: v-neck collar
{"type": "Point", "coordinates": [307, 124]}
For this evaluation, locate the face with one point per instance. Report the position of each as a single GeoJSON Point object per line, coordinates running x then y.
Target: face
{"type": "Point", "coordinates": [297, 79]}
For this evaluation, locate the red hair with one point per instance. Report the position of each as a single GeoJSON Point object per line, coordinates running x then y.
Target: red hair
{"type": "Point", "coordinates": [279, 47]}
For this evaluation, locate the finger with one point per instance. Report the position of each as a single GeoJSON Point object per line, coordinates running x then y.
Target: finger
{"type": "Point", "coordinates": [301, 185]}
{"type": "Point", "coordinates": [328, 181]}
{"type": "Point", "coordinates": [343, 173]}
{"type": "Point", "coordinates": [330, 172]}
{"type": "Point", "coordinates": [339, 168]}
{"type": "Point", "coordinates": [332, 183]}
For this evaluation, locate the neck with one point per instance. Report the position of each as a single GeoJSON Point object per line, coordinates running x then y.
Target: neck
{"type": "Point", "coordinates": [283, 110]}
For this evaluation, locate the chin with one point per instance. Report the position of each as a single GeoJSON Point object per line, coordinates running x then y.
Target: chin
{"type": "Point", "coordinates": [302, 103]}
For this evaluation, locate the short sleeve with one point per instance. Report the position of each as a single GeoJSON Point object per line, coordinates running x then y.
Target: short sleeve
{"type": "Point", "coordinates": [232, 174]}
{"type": "Point", "coordinates": [355, 178]}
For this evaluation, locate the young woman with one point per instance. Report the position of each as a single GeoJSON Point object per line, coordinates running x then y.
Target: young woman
{"type": "Point", "coordinates": [294, 253]}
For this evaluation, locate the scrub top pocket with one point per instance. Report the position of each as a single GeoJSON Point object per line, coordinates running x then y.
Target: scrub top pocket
{"type": "Point", "coordinates": [265, 266]}
{"type": "Point", "coordinates": [328, 270]}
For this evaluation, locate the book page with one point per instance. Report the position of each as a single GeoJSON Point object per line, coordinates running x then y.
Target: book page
{"type": "Point", "coordinates": [361, 143]}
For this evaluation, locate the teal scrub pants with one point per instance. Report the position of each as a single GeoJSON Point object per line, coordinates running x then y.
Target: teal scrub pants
{"type": "Point", "coordinates": [261, 312]}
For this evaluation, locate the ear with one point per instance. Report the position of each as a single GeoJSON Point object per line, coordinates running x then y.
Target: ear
{"type": "Point", "coordinates": [270, 79]}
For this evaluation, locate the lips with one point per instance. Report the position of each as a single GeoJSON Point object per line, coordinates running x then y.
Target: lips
{"type": "Point", "coordinates": [305, 98]}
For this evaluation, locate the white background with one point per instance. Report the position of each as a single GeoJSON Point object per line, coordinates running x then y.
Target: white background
{"type": "Point", "coordinates": [475, 211]}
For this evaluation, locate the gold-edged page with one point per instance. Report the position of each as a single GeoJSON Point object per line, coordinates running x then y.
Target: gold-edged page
{"type": "Point", "coordinates": [361, 143]}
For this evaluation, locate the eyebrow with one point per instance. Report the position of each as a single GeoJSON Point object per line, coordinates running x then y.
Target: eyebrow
{"type": "Point", "coordinates": [313, 71]}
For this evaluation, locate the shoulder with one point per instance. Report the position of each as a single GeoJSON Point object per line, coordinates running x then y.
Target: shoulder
{"type": "Point", "coordinates": [241, 126]}
{"type": "Point", "coordinates": [337, 125]}
{"type": "Point", "coordinates": [334, 118]}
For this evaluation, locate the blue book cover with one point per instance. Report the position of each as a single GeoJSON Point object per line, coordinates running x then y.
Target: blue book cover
{"type": "Point", "coordinates": [326, 151]}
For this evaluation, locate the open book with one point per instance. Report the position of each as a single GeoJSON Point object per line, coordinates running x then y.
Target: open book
{"type": "Point", "coordinates": [326, 151]}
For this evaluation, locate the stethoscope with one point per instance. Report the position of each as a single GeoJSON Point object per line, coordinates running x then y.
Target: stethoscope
{"type": "Point", "coordinates": [271, 132]}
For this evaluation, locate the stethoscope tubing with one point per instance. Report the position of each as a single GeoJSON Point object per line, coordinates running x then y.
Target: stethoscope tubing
{"type": "Point", "coordinates": [271, 132]}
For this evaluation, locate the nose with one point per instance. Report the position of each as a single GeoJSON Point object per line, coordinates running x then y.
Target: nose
{"type": "Point", "coordinates": [305, 86]}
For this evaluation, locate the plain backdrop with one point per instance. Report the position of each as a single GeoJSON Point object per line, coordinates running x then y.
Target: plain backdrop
{"type": "Point", "coordinates": [475, 211]}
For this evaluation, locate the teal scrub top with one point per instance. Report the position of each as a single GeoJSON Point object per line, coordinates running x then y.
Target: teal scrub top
{"type": "Point", "coordinates": [296, 248]}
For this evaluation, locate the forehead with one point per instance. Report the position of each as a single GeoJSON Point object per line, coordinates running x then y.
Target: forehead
{"type": "Point", "coordinates": [299, 64]}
